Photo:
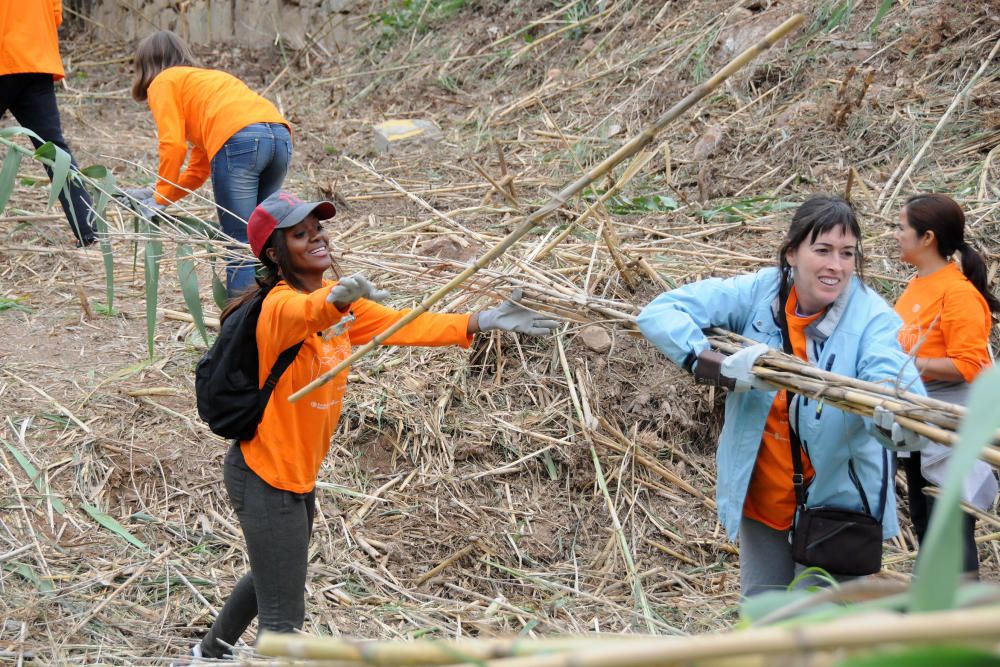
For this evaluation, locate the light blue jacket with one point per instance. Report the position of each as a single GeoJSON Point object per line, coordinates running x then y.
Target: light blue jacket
{"type": "Point", "coordinates": [855, 338]}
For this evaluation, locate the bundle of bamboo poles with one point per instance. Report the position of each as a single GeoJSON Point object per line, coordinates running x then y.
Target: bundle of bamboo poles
{"type": "Point", "coordinates": [937, 420]}
{"type": "Point", "coordinates": [820, 643]}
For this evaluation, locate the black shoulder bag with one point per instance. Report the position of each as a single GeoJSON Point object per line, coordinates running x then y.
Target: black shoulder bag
{"type": "Point", "coordinates": [840, 541]}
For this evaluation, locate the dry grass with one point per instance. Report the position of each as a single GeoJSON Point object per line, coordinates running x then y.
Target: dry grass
{"type": "Point", "coordinates": [462, 495]}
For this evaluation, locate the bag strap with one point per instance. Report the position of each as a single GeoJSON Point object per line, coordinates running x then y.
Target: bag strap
{"type": "Point", "coordinates": [798, 478]}
{"type": "Point", "coordinates": [281, 364]}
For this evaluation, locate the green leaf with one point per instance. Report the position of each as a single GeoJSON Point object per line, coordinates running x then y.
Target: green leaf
{"type": "Point", "coordinates": [883, 9]}
{"type": "Point", "coordinates": [26, 572]}
{"type": "Point", "coordinates": [8, 175]}
{"type": "Point", "coordinates": [757, 607]}
{"type": "Point", "coordinates": [18, 130]}
{"type": "Point", "coordinates": [104, 184]}
{"type": "Point", "coordinates": [151, 268]}
{"type": "Point", "coordinates": [189, 288]}
{"type": "Point", "coordinates": [60, 164]}
{"type": "Point", "coordinates": [925, 656]}
{"type": "Point", "coordinates": [219, 294]}
{"type": "Point", "coordinates": [111, 524]}
{"type": "Point", "coordinates": [106, 180]}
{"type": "Point", "coordinates": [14, 303]}
{"type": "Point", "coordinates": [35, 478]}
{"type": "Point", "coordinates": [938, 570]}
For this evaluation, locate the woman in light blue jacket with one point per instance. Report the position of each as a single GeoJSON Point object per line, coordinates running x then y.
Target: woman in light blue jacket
{"type": "Point", "coordinates": [830, 319]}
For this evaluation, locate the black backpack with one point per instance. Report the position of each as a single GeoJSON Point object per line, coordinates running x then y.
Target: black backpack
{"type": "Point", "coordinates": [225, 382]}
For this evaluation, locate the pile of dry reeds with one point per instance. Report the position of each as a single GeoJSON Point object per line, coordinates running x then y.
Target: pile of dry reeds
{"type": "Point", "coordinates": [543, 487]}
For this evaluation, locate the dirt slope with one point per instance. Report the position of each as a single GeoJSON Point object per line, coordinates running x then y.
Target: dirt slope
{"type": "Point", "coordinates": [499, 455]}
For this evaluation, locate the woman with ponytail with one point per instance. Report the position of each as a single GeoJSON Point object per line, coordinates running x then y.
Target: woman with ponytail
{"type": "Point", "coordinates": [947, 311]}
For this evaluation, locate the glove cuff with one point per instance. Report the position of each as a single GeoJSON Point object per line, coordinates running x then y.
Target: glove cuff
{"type": "Point", "coordinates": [708, 370]}
{"type": "Point", "coordinates": [488, 319]}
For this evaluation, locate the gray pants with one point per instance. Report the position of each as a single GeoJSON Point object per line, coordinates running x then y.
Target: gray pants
{"type": "Point", "coordinates": [766, 562]}
{"type": "Point", "coordinates": [276, 525]}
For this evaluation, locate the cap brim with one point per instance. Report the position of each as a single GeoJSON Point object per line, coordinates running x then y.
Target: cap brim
{"type": "Point", "coordinates": [323, 209]}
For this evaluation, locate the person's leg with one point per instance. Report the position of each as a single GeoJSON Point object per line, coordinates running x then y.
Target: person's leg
{"type": "Point", "coordinates": [276, 525]}
{"type": "Point", "coordinates": [919, 502]}
{"type": "Point", "coordinates": [970, 551]}
{"type": "Point", "coordinates": [10, 90]}
{"type": "Point", "coordinates": [35, 108]}
{"type": "Point", "coordinates": [241, 606]}
{"type": "Point", "coordinates": [274, 170]}
{"type": "Point", "coordinates": [235, 182]}
{"type": "Point", "coordinates": [765, 558]}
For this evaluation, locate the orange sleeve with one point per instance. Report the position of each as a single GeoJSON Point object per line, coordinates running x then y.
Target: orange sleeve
{"type": "Point", "coordinates": [169, 119]}
{"type": "Point", "coordinates": [57, 11]}
{"type": "Point", "coordinates": [965, 336]}
{"type": "Point", "coordinates": [292, 316]}
{"type": "Point", "coordinates": [427, 330]}
{"type": "Point", "coordinates": [197, 171]}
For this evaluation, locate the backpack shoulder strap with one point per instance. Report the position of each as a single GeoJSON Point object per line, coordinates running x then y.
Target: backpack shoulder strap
{"type": "Point", "coordinates": [281, 364]}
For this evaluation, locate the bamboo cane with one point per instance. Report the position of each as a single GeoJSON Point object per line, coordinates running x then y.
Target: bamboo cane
{"type": "Point", "coordinates": [422, 652]}
{"type": "Point", "coordinates": [854, 632]}
{"type": "Point", "coordinates": [630, 148]}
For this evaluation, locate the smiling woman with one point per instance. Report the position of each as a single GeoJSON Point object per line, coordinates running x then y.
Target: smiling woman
{"type": "Point", "coordinates": [778, 455]}
{"type": "Point", "coordinates": [271, 477]}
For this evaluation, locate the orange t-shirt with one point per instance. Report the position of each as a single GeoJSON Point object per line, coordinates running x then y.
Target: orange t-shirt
{"type": "Point", "coordinates": [950, 316]}
{"type": "Point", "coordinates": [292, 438]}
{"type": "Point", "coordinates": [29, 43]}
{"type": "Point", "coordinates": [771, 496]}
{"type": "Point", "coordinates": [203, 107]}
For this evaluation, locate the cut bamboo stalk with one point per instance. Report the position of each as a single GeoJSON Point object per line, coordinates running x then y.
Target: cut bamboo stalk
{"type": "Point", "coordinates": [440, 567]}
{"type": "Point", "coordinates": [630, 148]}
{"type": "Point", "coordinates": [854, 632]}
{"type": "Point", "coordinates": [426, 652]}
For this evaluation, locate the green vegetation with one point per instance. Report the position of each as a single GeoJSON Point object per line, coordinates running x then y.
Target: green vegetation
{"type": "Point", "coordinates": [411, 16]}
{"type": "Point", "coordinates": [14, 303]}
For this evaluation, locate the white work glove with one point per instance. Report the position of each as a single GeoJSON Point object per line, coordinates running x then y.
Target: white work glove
{"type": "Point", "coordinates": [512, 316]}
{"type": "Point", "coordinates": [138, 194]}
{"type": "Point", "coordinates": [352, 288]}
{"type": "Point", "coordinates": [149, 208]}
{"type": "Point", "coordinates": [738, 367]}
{"type": "Point", "coordinates": [894, 437]}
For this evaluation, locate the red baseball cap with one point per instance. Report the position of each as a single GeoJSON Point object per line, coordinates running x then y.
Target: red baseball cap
{"type": "Point", "coordinates": [280, 211]}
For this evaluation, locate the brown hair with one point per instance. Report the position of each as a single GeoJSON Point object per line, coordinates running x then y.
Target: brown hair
{"type": "Point", "coordinates": [817, 215]}
{"type": "Point", "coordinates": [154, 54]}
{"type": "Point", "coordinates": [942, 215]}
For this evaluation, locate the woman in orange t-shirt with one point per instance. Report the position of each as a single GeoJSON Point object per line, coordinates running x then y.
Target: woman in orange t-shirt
{"type": "Point", "coordinates": [271, 478]}
{"type": "Point", "coordinates": [235, 135]}
{"type": "Point", "coordinates": [947, 316]}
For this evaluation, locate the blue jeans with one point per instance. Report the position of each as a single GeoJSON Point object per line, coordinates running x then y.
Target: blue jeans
{"type": "Point", "coordinates": [31, 98]}
{"type": "Point", "coordinates": [249, 167]}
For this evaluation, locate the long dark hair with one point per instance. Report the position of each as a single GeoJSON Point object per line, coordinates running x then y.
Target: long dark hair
{"type": "Point", "coordinates": [817, 215]}
{"type": "Point", "coordinates": [154, 54]}
{"type": "Point", "coordinates": [942, 215]}
{"type": "Point", "coordinates": [272, 273]}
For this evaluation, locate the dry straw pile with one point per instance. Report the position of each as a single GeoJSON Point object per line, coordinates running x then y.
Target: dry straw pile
{"type": "Point", "coordinates": [549, 487]}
